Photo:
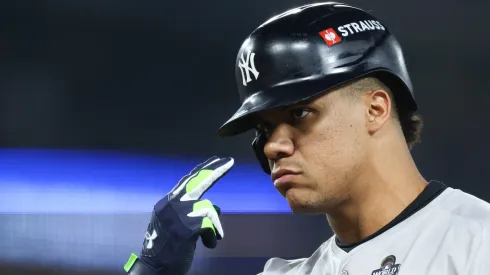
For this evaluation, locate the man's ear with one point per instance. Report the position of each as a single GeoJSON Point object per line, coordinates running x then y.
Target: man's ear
{"type": "Point", "coordinates": [378, 109]}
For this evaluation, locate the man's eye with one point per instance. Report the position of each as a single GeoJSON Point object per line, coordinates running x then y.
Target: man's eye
{"type": "Point", "coordinates": [299, 113]}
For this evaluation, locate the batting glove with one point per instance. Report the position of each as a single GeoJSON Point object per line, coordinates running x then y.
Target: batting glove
{"type": "Point", "coordinates": [178, 220]}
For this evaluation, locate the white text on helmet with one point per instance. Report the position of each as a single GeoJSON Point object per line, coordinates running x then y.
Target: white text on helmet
{"type": "Point", "coordinates": [360, 26]}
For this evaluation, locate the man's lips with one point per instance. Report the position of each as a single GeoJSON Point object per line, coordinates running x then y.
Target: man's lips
{"type": "Point", "coordinates": [282, 175]}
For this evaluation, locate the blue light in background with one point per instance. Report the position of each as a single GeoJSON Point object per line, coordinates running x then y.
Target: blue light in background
{"type": "Point", "coordinates": [71, 181]}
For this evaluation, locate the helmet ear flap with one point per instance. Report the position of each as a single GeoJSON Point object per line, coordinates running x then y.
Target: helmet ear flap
{"type": "Point", "coordinates": [258, 145]}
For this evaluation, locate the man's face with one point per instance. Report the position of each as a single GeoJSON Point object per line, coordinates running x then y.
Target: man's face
{"type": "Point", "coordinates": [320, 146]}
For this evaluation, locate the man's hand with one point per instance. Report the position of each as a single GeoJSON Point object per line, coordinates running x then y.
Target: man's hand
{"type": "Point", "coordinates": [177, 222]}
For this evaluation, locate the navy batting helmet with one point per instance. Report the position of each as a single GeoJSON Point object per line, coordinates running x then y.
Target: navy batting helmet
{"type": "Point", "coordinates": [307, 51]}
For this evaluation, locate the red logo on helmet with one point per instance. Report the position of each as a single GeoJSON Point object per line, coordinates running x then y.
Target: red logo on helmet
{"type": "Point", "coordinates": [330, 37]}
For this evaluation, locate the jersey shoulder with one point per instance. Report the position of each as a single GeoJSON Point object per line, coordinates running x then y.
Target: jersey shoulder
{"type": "Point", "coordinates": [468, 207]}
{"type": "Point", "coordinates": [473, 210]}
{"type": "Point", "coordinates": [471, 215]}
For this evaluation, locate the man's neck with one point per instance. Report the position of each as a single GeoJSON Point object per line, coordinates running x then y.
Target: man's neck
{"type": "Point", "coordinates": [382, 191]}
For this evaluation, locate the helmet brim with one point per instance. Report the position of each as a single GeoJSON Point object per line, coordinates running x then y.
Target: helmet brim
{"type": "Point", "coordinates": [288, 94]}
{"type": "Point", "coordinates": [283, 95]}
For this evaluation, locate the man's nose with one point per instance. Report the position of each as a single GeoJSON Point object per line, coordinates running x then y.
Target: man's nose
{"type": "Point", "coordinates": [279, 145]}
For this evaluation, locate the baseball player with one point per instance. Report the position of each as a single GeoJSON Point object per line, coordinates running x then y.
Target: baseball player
{"type": "Point", "coordinates": [327, 91]}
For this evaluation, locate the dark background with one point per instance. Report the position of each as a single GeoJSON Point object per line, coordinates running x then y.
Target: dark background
{"type": "Point", "coordinates": [157, 77]}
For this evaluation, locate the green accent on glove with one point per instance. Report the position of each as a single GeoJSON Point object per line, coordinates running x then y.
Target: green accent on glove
{"type": "Point", "coordinates": [196, 180]}
{"type": "Point", "coordinates": [130, 263]}
{"type": "Point", "coordinates": [206, 221]}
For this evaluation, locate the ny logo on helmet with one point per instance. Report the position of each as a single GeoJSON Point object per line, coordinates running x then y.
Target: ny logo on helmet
{"type": "Point", "coordinates": [247, 66]}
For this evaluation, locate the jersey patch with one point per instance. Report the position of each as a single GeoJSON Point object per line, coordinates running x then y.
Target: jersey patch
{"type": "Point", "coordinates": [388, 267]}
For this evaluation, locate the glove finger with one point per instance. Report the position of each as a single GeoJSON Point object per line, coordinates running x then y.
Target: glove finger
{"type": "Point", "coordinates": [198, 185]}
{"type": "Point", "coordinates": [218, 210]}
{"type": "Point", "coordinates": [183, 181]}
{"type": "Point", "coordinates": [202, 164]}
{"type": "Point", "coordinates": [210, 216]}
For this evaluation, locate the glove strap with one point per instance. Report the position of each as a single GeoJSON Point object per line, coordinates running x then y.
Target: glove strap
{"type": "Point", "coordinates": [135, 266]}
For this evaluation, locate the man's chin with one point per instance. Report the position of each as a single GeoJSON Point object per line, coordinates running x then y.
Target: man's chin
{"type": "Point", "coordinates": [300, 204]}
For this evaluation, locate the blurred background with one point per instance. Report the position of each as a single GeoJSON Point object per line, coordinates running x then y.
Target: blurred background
{"type": "Point", "coordinates": [104, 105]}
